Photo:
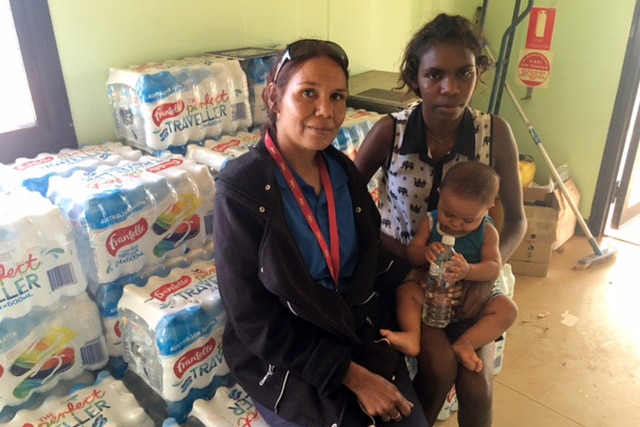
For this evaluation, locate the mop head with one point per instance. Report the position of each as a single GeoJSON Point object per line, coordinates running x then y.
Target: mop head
{"type": "Point", "coordinates": [606, 254]}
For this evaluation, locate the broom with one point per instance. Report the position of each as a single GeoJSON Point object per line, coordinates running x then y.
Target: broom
{"type": "Point", "coordinates": [599, 255]}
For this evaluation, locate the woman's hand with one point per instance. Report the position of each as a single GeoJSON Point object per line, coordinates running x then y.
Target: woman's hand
{"type": "Point", "coordinates": [376, 395]}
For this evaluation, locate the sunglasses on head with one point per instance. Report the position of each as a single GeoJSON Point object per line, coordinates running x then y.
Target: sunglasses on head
{"type": "Point", "coordinates": [308, 47]}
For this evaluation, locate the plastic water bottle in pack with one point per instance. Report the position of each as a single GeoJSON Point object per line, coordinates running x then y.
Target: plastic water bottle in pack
{"type": "Point", "coordinates": [359, 122]}
{"type": "Point", "coordinates": [107, 296]}
{"type": "Point", "coordinates": [230, 406]}
{"type": "Point", "coordinates": [62, 388]}
{"type": "Point", "coordinates": [172, 332]}
{"type": "Point", "coordinates": [189, 74]}
{"type": "Point", "coordinates": [39, 260]}
{"type": "Point", "coordinates": [111, 211]}
{"type": "Point", "coordinates": [164, 106]}
{"type": "Point", "coordinates": [50, 344]}
{"type": "Point", "coordinates": [127, 114]}
{"type": "Point", "coordinates": [450, 404]}
{"type": "Point", "coordinates": [187, 223]}
{"type": "Point", "coordinates": [217, 152]}
{"type": "Point", "coordinates": [344, 141]}
{"type": "Point", "coordinates": [257, 70]}
{"type": "Point", "coordinates": [227, 96]}
{"type": "Point", "coordinates": [149, 399]}
{"type": "Point", "coordinates": [159, 102]}
{"type": "Point", "coordinates": [34, 173]}
{"type": "Point", "coordinates": [105, 403]}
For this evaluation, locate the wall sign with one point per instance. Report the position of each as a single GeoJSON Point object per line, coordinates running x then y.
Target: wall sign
{"type": "Point", "coordinates": [540, 31]}
{"type": "Point", "coordinates": [534, 68]}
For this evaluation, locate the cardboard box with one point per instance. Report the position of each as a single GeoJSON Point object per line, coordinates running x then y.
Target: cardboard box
{"type": "Point", "coordinates": [551, 222]}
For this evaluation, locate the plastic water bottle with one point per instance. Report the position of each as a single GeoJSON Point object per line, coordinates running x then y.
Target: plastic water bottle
{"type": "Point", "coordinates": [48, 345]}
{"type": "Point", "coordinates": [39, 260]}
{"type": "Point", "coordinates": [436, 311]}
{"type": "Point", "coordinates": [230, 406]}
{"type": "Point", "coordinates": [172, 333]}
{"type": "Point", "coordinates": [257, 71]}
{"type": "Point", "coordinates": [107, 402]}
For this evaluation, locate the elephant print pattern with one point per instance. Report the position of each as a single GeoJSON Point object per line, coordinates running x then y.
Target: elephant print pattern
{"type": "Point", "coordinates": [409, 176]}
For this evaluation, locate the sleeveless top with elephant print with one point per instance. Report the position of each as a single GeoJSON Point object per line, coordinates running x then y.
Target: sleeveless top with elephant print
{"type": "Point", "coordinates": [406, 182]}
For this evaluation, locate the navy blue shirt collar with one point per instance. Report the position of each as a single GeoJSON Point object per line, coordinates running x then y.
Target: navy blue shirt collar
{"type": "Point", "coordinates": [414, 140]}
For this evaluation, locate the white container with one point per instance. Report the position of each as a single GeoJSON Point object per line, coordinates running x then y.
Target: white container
{"type": "Point", "coordinates": [106, 403]}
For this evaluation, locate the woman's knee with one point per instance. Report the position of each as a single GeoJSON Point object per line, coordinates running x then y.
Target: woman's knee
{"type": "Point", "coordinates": [476, 388]}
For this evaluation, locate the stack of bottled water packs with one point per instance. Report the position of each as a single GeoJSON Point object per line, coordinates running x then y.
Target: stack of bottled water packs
{"type": "Point", "coordinates": [230, 406]}
{"type": "Point", "coordinates": [105, 402]}
{"type": "Point", "coordinates": [172, 333]}
{"type": "Point", "coordinates": [133, 220]}
{"type": "Point", "coordinates": [34, 173]}
{"type": "Point", "coordinates": [50, 330]}
{"type": "Point", "coordinates": [164, 105]}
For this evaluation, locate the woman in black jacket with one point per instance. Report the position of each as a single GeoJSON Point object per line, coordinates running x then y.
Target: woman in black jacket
{"type": "Point", "coordinates": [296, 236]}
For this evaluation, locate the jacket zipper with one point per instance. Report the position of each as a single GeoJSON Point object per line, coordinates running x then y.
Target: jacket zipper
{"type": "Point", "coordinates": [267, 375]}
{"type": "Point", "coordinates": [291, 308]}
{"type": "Point", "coordinates": [284, 385]}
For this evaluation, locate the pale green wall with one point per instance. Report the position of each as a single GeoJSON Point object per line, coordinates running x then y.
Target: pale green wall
{"type": "Point", "coordinates": [571, 116]}
{"type": "Point", "coordinates": [95, 35]}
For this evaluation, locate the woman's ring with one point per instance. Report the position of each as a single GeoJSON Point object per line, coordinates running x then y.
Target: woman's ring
{"type": "Point", "coordinates": [384, 420]}
{"type": "Point", "coordinates": [397, 417]}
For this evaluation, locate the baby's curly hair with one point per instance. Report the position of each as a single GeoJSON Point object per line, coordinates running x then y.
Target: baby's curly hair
{"type": "Point", "coordinates": [473, 181]}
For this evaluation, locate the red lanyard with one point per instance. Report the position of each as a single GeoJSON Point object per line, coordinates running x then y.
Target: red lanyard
{"type": "Point", "coordinates": [332, 257]}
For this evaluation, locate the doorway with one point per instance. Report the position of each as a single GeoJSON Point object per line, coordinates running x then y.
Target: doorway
{"type": "Point", "coordinates": [616, 204]}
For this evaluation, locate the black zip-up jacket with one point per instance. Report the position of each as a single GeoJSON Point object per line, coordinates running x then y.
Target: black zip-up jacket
{"type": "Point", "coordinates": [289, 340]}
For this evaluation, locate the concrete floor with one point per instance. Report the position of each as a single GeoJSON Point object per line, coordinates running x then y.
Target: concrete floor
{"type": "Point", "coordinates": [571, 357]}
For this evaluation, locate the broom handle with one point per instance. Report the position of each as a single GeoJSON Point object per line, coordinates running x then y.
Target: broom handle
{"type": "Point", "coordinates": [552, 168]}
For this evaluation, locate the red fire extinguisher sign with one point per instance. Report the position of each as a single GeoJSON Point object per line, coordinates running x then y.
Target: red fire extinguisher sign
{"type": "Point", "coordinates": [541, 21]}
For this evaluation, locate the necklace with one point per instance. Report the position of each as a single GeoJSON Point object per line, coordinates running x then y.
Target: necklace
{"type": "Point", "coordinates": [441, 141]}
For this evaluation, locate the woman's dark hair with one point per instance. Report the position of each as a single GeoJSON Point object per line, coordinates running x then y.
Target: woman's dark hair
{"type": "Point", "coordinates": [443, 28]}
{"type": "Point", "coordinates": [298, 53]}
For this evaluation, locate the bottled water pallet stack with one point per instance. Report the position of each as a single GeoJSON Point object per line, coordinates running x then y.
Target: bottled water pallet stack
{"type": "Point", "coordinates": [163, 106]}
{"type": "Point", "coordinates": [105, 402]}
{"type": "Point", "coordinates": [256, 62]}
{"type": "Point", "coordinates": [135, 214]}
{"type": "Point", "coordinates": [50, 330]}
{"type": "Point", "coordinates": [172, 333]}
{"type": "Point", "coordinates": [230, 406]}
{"type": "Point", "coordinates": [133, 220]}
{"type": "Point", "coordinates": [34, 173]}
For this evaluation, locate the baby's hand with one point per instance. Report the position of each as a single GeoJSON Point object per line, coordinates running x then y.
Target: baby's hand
{"type": "Point", "coordinates": [433, 250]}
{"type": "Point", "coordinates": [459, 269]}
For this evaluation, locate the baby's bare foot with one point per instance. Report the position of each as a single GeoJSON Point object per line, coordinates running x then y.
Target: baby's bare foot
{"type": "Point", "coordinates": [405, 342]}
{"type": "Point", "coordinates": [466, 355]}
